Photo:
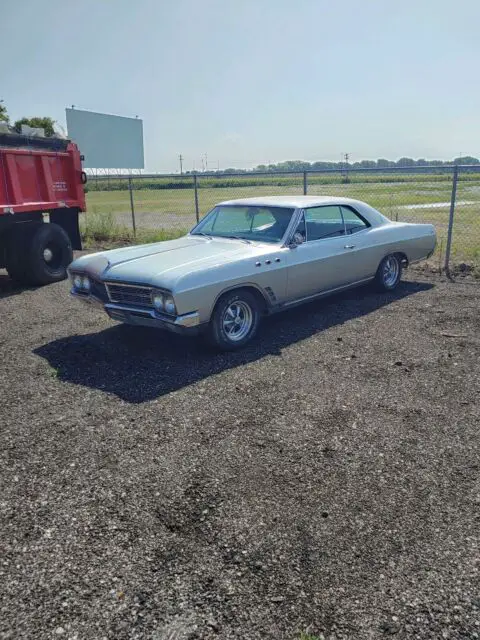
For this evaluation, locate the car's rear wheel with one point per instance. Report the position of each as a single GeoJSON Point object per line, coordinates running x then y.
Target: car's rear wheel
{"type": "Point", "coordinates": [235, 320]}
{"type": "Point", "coordinates": [389, 273]}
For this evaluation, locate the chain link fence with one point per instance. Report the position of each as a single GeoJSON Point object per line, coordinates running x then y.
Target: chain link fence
{"type": "Point", "coordinates": [156, 207]}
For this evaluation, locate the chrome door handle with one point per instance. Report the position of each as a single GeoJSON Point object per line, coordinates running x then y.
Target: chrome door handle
{"type": "Point", "coordinates": [349, 246]}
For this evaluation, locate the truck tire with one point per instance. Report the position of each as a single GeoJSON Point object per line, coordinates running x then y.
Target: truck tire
{"type": "Point", "coordinates": [49, 252]}
{"type": "Point", "coordinates": [38, 253]}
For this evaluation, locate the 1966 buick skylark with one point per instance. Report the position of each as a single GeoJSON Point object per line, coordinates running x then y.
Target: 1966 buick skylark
{"type": "Point", "coordinates": [247, 258]}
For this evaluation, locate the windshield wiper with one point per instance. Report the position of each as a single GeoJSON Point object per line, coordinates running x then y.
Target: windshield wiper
{"type": "Point", "coordinates": [200, 233]}
{"type": "Point", "coordinates": [238, 238]}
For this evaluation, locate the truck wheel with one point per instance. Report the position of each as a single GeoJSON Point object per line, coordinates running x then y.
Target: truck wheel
{"type": "Point", "coordinates": [49, 252]}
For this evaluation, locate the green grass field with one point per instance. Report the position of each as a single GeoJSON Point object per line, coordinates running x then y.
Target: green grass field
{"type": "Point", "coordinates": [163, 213]}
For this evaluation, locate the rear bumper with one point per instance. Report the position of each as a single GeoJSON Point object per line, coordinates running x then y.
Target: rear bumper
{"type": "Point", "coordinates": [187, 324]}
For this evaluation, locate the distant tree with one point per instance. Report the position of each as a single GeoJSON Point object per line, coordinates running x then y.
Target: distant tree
{"type": "Point", "coordinates": [292, 165]}
{"type": "Point", "coordinates": [421, 162]}
{"type": "Point", "coordinates": [44, 123]}
{"type": "Point", "coordinates": [382, 163]}
{"type": "Point", "coordinates": [366, 164]}
{"type": "Point", "coordinates": [466, 160]}
{"type": "Point", "coordinates": [319, 165]}
{"type": "Point", "coordinates": [406, 162]}
{"type": "Point", "coordinates": [3, 114]}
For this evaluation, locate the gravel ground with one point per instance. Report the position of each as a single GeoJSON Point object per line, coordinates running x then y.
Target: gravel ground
{"type": "Point", "coordinates": [324, 480]}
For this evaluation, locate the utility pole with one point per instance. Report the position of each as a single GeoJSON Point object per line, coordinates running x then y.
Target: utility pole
{"type": "Point", "coordinates": [346, 157]}
{"type": "Point", "coordinates": [180, 157]}
{"type": "Point", "coordinates": [206, 161]}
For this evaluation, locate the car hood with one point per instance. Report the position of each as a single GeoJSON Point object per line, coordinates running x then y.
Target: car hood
{"type": "Point", "coordinates": [162, 264]}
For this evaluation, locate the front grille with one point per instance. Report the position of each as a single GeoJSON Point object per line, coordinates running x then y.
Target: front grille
{"type": "Point", "coordinates": [129, 295]}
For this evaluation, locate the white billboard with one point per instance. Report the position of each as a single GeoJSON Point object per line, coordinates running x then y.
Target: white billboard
{"type": "Point", "coordinates": [106, 142]}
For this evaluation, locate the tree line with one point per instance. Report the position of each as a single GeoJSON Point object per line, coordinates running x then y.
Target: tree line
{"type": "Point", "coordinates": [381, 163]}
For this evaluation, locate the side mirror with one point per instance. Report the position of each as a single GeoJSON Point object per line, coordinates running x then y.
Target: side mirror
{"type": "Point", "coordinates": [297, 240]}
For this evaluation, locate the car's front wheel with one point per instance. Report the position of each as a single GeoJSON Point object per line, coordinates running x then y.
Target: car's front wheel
{"type": "Point", "coordinates": [389, 273]}
{"type": "Point", "coordinates": [235, 320]}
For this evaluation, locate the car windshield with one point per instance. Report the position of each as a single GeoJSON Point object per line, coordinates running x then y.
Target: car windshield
{"type": "Point", "coordinates": [264, 224]}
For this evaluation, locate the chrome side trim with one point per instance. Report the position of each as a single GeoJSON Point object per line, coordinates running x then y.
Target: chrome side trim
{"type": "Point", "coordinates": [327, 292]}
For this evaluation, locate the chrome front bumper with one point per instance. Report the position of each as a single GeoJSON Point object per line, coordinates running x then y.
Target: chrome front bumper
{"type": "Point", "coordinates": [187, 323]}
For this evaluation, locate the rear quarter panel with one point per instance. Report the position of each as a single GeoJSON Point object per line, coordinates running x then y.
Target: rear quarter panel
{"type": "Point", "coordinates": [416, 241]}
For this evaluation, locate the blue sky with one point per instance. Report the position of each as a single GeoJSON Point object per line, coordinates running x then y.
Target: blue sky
{"type": "Point", "coordinates": [254, 81]}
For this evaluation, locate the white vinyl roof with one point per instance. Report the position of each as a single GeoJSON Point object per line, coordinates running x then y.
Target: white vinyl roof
{"type": "Point", "coordinates": [299, 202]}
{"type": "Point", "coordinates": [290, 201]}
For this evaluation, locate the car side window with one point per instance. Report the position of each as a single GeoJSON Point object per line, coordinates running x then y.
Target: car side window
{"type": "Point", "coordinates": [324, 222]}
{"type": "Point", "coordinates": [353, 222]}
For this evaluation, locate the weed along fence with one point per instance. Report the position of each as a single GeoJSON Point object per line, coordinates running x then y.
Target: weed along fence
{"type": "Point", "coordinates": [157, 207]}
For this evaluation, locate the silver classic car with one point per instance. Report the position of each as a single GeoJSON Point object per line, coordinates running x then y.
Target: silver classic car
{"type": "Point", "coordinates": [247, 258]}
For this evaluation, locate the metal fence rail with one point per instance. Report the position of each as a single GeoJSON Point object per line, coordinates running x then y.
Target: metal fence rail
{"type": "Point", "coordinates": [154, 206]}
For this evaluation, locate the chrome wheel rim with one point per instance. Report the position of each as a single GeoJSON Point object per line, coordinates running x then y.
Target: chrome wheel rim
{"type": "Point", "coordinates": [237, 320]}
{"type": "Point", "coordinates": [390, 271]}
{"type": "Point", "coordinates": [47, 255]}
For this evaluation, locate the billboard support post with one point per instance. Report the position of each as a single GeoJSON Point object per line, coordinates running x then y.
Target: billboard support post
{"type": "Point", "coordinates": [132, 206]}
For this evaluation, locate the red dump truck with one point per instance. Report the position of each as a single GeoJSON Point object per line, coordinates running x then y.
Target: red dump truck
{"type": "Point", "coordinates": [41, 195]}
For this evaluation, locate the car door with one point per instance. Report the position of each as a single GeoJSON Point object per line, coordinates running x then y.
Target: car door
{"type": "Point", "coordinates": [363, 253]}
{"type": "Point", "coordinates": [318, 263]}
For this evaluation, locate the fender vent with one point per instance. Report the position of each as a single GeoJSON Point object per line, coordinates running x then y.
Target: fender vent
{"type": "Point", "coordinates": [271, 294]}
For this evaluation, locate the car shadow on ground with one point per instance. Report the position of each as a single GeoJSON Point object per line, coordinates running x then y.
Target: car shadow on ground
{"type": "Point", "coordinates": [140, 364]}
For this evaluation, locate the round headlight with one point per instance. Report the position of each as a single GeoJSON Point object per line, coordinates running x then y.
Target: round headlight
{"type": "Point", "coordinates": [86, 283]}
{"type": "Point", "coordinates": [158, 301]}
{"type": "Point", "coordinates": [77, 281]}
{"type": "Point", "coordinates": [170, 305]}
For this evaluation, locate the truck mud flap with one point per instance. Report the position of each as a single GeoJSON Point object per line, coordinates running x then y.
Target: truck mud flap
{"type": "Point", "coordinates": [68, 220]}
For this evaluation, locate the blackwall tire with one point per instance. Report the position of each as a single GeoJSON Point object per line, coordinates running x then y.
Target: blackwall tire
{"type": "Point", "coordinates": [389, 273]}
{"type": "Point", "coordinates": [235, 321]}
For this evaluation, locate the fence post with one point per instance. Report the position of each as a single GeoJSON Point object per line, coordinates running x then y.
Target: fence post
{"type": "Point", "coordinates": [305, 183]}
{"type": "Point", "coordinates": [195, 186]}
{"type": "Point", "coordinates": [450, 221]}
{"type": "Point", "coordinates": [132, 206]}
